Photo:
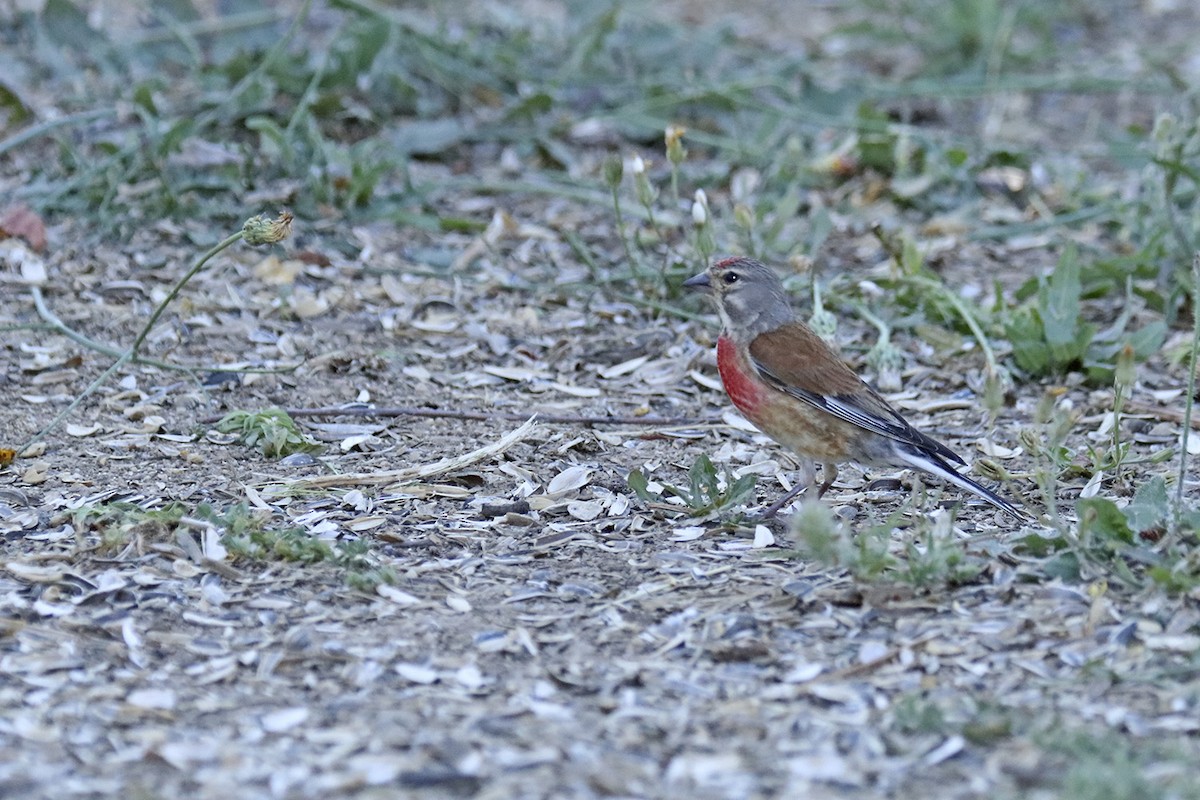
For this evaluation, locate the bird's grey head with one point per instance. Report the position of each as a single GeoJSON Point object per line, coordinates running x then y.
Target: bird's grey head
{"type": "Point", "coordinates": [750, 297]}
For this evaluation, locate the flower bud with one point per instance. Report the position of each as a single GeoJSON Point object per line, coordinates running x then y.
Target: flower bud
{"type": "Point", "coordinates": [992, 470]}
{"type": "Point", "coordinates": [614, 170]}
{"type": "Point", "coordinates": [641, 182]}
{"type": "Point", "coordinates": [743, 216]}
{"type": "Point", "coordinates": [700, 208]}
{"type": "Point", "coordinates": [887, 361]}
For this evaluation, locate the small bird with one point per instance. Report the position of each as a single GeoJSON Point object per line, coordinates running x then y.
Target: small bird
{"type": "Point", "coordinates": [793, 387]}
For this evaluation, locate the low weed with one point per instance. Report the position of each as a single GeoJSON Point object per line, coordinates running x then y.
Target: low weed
{"type": "Point", "coordinates": [272, 430]}
{"type": "Point", "coordinates": [247, 535]}
{"type": "Point", "coordinates": [931, 554]}
{"type": "Point", "coordinates": [123, 524]}
{"type": "Point", "coordinates": [1108, 766]}
{"type": "Point", "coordinates": [1050, 336]}
{"type": "Point", "coordinates": [707, 491]}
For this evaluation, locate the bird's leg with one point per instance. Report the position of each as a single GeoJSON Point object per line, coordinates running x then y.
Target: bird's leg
{"type": "Point", "coordinates": [808, 480]}
{"type": "Point", "coordinates": [829, 471]}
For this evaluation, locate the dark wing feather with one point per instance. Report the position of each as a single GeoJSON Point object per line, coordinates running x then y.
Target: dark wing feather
{"type": "Point", "coordinates": [795, 360]}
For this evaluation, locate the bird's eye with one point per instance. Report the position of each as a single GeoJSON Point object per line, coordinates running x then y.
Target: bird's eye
{"type": "Point", "coordinates": [730, 277]}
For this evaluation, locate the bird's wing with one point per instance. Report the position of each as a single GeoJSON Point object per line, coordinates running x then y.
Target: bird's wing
{"type": "Point", "coordinates": [795, 360]}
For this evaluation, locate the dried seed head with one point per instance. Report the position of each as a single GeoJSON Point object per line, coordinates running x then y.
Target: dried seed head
{"type": "Point", "coordinates": [676, 152]}
{"type": "Point", "coordinates": [260, 230]}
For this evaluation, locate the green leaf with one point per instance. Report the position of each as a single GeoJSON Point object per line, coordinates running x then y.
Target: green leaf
{"type": "Point", "coordinates": [783, 214]}
{"type": "Point", "coordinates": [740, 490]}
{"type": "Point", "coordinates": [1148, 339]}
{"type": "Point", "coordinates": [1039, 546]}
{"type": "Point", "coordinates": [1025, 331]}
{"type": "Point", "coordinates": [640, 486]}
{"type": "Point", "coordinates": [592, 35]}
{"type": "Point", "coordinates": [529, 107]}
{"type": "Point", "coordinates": [272, 430]}
{"type": "Point", "coordinates": [876, 139]}
{"type": "Point", "coordinates": [1173, 581]}
{"type": "Point", "coordinates": [180, 10]}
{"type": "Point", "coordinates": [271, 134]}
{"type": "Point", "coordinates": [355, 53]}
{"type": "Point", "coordinates": [910, 257]}
{"type": "Point", "coordinates": [428, 137]}
{"type": "Point", "coordinates": [68, 27]}
{"type": "Point", "coordinates": [11, 102]}
{"type": "Point", "coordinates": [1100, 518]}
{"type": "Point", "coordinates": [554, 153]}
{"type": "Point", "coordinates": [820, 225]}
{"type": "Point", "coordinates": [143, 96]}
{"type": "Point", "coordinates": [1058, 304]}
{"type": "Point", "coordinates": [1063, 565]}
{"type": "Point", "coordinates": [1149, 507]}
{"type": "Point", "coordinates": [703, 479]}
{"type": "Point", "coordinates": [176, 135]}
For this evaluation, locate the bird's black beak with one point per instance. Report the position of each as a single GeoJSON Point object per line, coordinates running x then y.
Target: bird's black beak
{"type": "Point", "coordinates": [698, 282]}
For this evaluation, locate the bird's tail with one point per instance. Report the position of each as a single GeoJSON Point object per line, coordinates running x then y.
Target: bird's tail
{"type": "Point", "coordinates": [934, 465]}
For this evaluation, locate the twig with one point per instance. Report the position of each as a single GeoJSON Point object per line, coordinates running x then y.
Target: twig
{"type": "Point", "coordinates": [416, 473]}
{"type": "Point", "coordinates": [487, 416]}
{"type": "Point", "coordinates": [1164, 413]}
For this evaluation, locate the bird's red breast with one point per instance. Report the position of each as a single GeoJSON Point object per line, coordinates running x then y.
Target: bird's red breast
{"type": "Point", "coordinates": [796, 425]}
{"type": "Point", "coordinates": [744, 389]}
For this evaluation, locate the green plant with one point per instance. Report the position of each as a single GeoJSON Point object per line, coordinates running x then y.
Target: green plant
{"type": "Point", "coordinates": [250, 535]}
{"type": "Point", "coordinates": [1105, 766]}
{"type": "Point", "coordinates": [934, 556]}
{"type": "Point", "coordinates": [1127, 544]}
{"type": "Point", "coordinates": [665, 227]}
{"type": "Point", "coordinates": [917, 288]}
{"type": "Point", "coordinates": [829, 541]}
{"type": "Point", "coordinates": [707, 491]}
{"type": "Point", "coordinates": [912, 713]}
{"type": "Point", "coordinates": [982, 38]}
{"type": "Point", "coordinates": [247, 534]}
{"type": "Point", "coordinates": [120, 524]}
{"type": "Point", "coordinates": [1166, 217]}
{"type": "Point", "coordinates": [272, 430]}
{"type": "Point", "coordinates": [362, 572]}
{"type": "Point", "coordinates": [1186, 433]}
{"type": "Point", "coordinates": [931, 553]}
{"type": "Point", "coordinates": [1049, 335]}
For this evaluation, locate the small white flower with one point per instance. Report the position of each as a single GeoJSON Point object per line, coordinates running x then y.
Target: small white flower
{"type": "Point", "coordinates": [700, 208]}
{"type": "Point", "coordinates": [637, 166]}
